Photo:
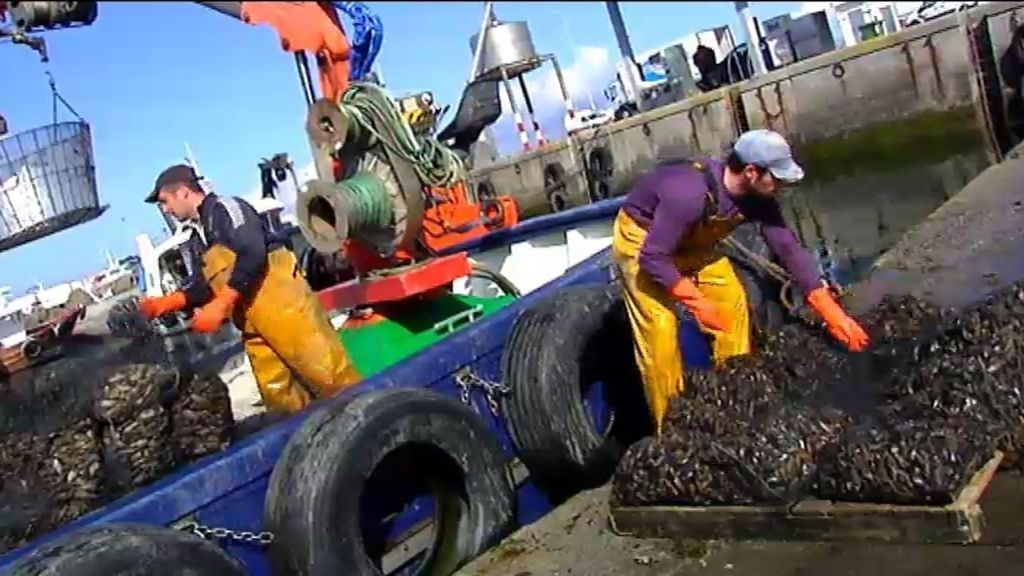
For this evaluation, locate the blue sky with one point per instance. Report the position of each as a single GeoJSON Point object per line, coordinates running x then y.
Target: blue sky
{"type": "Point", "coordinates": [149, 76]}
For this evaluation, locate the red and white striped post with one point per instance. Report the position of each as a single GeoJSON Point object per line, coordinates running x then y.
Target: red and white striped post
{"type": "Point", "coordinates": [529, 110]}
{"type": "Point", "coordinates": [570, 108]}
{"type": "Point", "coordinates": [524, 138]}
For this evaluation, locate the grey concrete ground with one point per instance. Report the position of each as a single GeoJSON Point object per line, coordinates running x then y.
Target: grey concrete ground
{"type": "Point", "coordinates": [577, 540]}
{"type": "Point", "coordinates": [973, 244]}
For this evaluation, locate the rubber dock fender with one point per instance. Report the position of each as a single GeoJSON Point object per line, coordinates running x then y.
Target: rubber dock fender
{"type": "Point", "coordinates": [127, 550]}
{"type": "Point", "coordinates": [556, 351]}
{"type": "Point", "coordinates": [600, 169]}
{"type": "Point", "coordinates": [366, 457]}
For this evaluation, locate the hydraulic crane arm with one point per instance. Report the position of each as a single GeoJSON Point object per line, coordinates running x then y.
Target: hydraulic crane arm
{"type": "Point", "coordinates": [303, 27]}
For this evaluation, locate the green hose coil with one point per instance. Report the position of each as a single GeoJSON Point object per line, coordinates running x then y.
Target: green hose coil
{"type": "Point", "coordinates": [370, 110]}
{"type": "Point", "coordinates": [367, 201]}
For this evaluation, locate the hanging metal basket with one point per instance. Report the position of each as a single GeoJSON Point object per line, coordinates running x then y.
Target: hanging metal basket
{"type": "Point", "coordinates": [47, 182]}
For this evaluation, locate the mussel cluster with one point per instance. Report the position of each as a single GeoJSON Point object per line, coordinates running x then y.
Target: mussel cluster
{"type": "Point", "coordinates": [97, 434]}
{"type": "Point", "coordinates": [906, 422]}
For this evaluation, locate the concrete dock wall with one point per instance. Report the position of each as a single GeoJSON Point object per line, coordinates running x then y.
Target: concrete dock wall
{"type": "Point", "coordinates": [887, 131]}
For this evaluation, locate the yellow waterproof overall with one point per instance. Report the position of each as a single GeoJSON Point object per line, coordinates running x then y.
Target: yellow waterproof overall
{"type": "Point", "coordinates": [293, 349]}
{"type": "Point", "coordinates": [650, 306]}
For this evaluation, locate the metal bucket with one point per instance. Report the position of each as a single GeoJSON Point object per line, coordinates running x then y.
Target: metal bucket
{"type": "Point", "coordinates": [47, 182]}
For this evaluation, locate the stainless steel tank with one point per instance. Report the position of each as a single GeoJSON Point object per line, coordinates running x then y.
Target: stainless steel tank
{"type": "Point", "coordinates": [508, 45]}
{"type": "Point", "coordinates": [47, 182]}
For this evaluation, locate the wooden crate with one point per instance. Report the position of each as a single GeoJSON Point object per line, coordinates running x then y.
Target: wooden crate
{"type": "Point", "coordinates": [960, 522]}
{"type": "Point", "coordinates": [12, 360]}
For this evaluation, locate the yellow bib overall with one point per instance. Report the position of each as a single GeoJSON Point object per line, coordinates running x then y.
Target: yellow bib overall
{"type": "Point", "coordinates": [294, 351]}
{"type": "Point", "coordinates": [650, 307]}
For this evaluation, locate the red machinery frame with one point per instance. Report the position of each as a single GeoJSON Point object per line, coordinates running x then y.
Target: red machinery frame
{"type": "Point", "coordinates": [415, 280]}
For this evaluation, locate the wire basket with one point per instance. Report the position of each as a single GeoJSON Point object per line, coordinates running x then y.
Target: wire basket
{"type": "Point", "coordinates": [47, 182]}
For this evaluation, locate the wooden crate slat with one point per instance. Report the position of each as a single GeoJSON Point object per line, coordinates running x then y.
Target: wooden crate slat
{"type": "Point", "coordinates": [817, 520]}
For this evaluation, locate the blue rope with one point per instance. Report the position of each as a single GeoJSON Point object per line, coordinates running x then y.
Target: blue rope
{"type": "Point", "coordinates": [367, 36]}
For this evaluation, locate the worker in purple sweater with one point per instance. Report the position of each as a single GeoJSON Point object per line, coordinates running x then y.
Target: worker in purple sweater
{"type": "Point", "coordinates": [665, 245]}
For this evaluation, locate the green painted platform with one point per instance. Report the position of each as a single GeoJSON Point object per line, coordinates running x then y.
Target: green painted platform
{"type": "Point", "coordinates": [377, 346]}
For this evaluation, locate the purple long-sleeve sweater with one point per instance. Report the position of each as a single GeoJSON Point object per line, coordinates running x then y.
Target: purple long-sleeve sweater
{"type": "Point", "coordinates": [669, 201]}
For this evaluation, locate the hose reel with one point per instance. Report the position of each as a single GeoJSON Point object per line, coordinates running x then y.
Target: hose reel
{"type": "Point", "coordinates": [380, 169]}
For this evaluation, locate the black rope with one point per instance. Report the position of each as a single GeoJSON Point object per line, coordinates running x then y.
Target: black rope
{"type": "Point", "coordinates": [58, 98]}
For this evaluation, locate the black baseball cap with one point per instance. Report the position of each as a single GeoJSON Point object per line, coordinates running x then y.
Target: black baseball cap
{"type": "Point", "coordinates": [177, 174]}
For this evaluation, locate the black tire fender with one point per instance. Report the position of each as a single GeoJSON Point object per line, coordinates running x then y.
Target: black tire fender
{"type": "Point", "coordinates": [347, 450]}
{"type": "Point", "coordinates": [600, 168]}
{"type": "Point", "coordinates": [491, 210]}
{"type": "Point", "coordinates": [127, 550]}
{"type": "Point", "coordinates": [556, 349]}
{"type": "Point", "coordinates": [555, 187]}
{"type": "Point", "coordinates": [485, 191]}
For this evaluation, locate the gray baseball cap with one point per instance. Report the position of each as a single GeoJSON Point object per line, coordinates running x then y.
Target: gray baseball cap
{"type": "Point", "coordinates": [769, 150]}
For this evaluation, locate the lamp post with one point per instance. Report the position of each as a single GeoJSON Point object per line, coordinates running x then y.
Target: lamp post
{"type": "Point", "coordinates": [626, 49]}
{"type": "Point", "coordinates": [753, 38]}
{"type": "Point", "coordinates": [572, 43]}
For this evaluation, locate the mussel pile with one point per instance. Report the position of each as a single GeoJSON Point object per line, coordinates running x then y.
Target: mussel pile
{"type": "Point", "coordinates": [911, 462]}
{"type": "Point", "coordinates": [907, 422]}
{"type": "Point", "coordinates": [137, 424]}
{"type": "Point", "coordinates": [974, 370]}
{"type": "Point", "coordinates": [72, 470]}
{"type": "Point", "coordinates": [202, 418]}
{"type": "Point", "coordinates": [142, 420]}
{"type": "Point", "coordinates": [767, 459]}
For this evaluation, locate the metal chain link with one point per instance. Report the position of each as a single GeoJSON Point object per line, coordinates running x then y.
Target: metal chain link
{"type": "Point", "coordinates": [466, 380]}
{"type": "Point", "coordinates": [216, 533]}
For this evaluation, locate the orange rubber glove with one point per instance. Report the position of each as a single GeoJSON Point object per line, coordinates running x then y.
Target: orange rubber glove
{"type": "Point", "coordinates": [839, 324]}
{"type": "Point", "coordinates": [687, 294]}
{"type": "Point", "coordinates": [158, 306]}
{"type": "Point", "coordinates": [211, 316]}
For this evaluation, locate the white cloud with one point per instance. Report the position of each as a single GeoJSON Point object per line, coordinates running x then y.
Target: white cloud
{"type": "Point", "coordinates": [590, 72]}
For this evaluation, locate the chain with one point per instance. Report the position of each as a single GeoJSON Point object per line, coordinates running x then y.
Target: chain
{"type": "Point", "coordinates": [242, 536]}
{"type": "Point", "coordinates": [466, 380]}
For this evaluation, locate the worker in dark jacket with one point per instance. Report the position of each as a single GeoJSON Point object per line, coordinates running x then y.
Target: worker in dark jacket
{"type": "Point", "coordinates": [664, 243]}
{"type": "Point", "coordinates": [246, 276]}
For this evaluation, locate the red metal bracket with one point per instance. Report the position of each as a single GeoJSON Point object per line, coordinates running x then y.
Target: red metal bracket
{"type": "Point", "coordinates": [396, 285]}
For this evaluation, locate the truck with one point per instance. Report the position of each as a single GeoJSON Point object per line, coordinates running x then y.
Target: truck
{"type": "Point", "coordinates": [659, 69]}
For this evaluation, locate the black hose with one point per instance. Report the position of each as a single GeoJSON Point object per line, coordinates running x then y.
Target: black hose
{"type": "Point", "coordinates": [500, 280]}
{"type": "Point", "coordinates": [32, 349]}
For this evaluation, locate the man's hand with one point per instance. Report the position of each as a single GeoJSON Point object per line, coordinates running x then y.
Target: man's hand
{"type": "Point", "coordinates": [839, 324]}
{"type": "Point", "coordinates": [687, 294]}
{"type": "Point", "coordinates": [210, 317]}
{"type": "Point", "coordinates": [155, 307]}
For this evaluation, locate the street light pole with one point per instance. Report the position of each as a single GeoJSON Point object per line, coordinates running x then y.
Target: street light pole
{"type": "Point", "coordinates": [615, 15]}
{"type": "Point", "coordinates": [572, 42]}
{"type": "Point", "coordinates": [753, 38]}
